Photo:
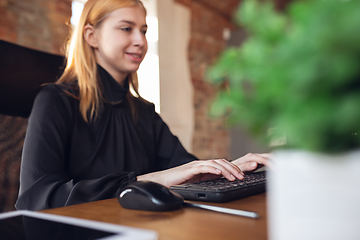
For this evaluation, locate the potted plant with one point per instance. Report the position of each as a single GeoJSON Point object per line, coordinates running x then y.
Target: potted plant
{"type": "Point", "coordinates": [297, 77]}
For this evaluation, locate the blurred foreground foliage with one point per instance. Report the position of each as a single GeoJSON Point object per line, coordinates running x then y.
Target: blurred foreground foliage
{"type": "Point", "coordinates": [297, 73]}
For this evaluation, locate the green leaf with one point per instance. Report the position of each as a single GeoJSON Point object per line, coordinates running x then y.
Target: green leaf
{"type": "Point", "coordinates": [297, 72]}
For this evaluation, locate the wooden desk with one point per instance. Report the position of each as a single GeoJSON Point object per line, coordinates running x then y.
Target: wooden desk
{"type": "Point", "coordinates": [186, 223]}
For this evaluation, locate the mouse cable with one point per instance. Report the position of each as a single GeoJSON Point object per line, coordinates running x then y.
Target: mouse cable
{"type": "Point", "coordinates": [222, 210]}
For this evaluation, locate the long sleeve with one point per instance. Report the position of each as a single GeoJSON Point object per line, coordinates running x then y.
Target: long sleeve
{"type": "Point", "coordinates": [45, 179]}
{"type": "Point", "coordinates": [170, 152]}
{"type": "Point", "coordinates": [69, 161]}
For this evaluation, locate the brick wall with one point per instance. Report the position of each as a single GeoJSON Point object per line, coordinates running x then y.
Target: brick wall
{"type": "Point", "coordinates": [209, 18]}
{"type": "Point", "coordinates": [39, 24]}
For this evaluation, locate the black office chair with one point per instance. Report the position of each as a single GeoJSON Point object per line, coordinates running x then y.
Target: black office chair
{"type": "Point", "coordinates": [22, 73]}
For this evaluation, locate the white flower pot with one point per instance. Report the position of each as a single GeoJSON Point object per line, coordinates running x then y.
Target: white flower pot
{"type": "Point", "coordinates": [314, 196]}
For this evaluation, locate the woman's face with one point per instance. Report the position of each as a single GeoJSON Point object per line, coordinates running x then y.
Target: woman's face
{"type": "Point", "coordinates": [120, 42]}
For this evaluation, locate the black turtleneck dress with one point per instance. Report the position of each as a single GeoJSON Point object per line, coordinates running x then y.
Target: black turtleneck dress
{"type": "Point", "coordinates": [67, 161]}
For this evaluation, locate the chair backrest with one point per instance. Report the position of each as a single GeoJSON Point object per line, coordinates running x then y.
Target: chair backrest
{"type": "Point", "coordinates": [22, 73]}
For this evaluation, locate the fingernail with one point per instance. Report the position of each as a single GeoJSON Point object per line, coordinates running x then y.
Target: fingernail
{"type": "Point", "coordinates": [232, 177]}
{"type": "Point", "coordinates": [253, 164]}
{"type": "Point", "coordinates": [218, 170]}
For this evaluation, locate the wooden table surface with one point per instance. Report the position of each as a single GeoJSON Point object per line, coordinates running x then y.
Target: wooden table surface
{"type": "Point", "coordinates": [186, 223]}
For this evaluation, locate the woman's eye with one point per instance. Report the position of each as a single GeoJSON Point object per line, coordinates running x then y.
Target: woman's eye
{"type": "Point", "coordinates": [126, 29]}
{"type": "Point", "coordinates": [144, 32]}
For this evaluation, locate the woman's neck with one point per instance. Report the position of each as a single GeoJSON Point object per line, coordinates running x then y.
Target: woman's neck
{"type": "Point", "coordinates": [120, 78]}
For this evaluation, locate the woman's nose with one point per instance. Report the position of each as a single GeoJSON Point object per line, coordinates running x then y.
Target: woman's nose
{"type": "Point", "coordinates": [139, 38]}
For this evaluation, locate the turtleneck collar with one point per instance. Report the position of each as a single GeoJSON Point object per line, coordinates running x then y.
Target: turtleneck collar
{"type": "Point", "coordinates": [112, 90]}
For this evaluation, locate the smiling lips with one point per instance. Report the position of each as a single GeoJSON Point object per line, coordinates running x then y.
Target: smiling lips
{"type": "Point", "coordinates": [135, 57]}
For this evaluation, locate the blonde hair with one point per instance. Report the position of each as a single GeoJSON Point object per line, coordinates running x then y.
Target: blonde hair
{"type": "Point", "coordinates": [81, 63]}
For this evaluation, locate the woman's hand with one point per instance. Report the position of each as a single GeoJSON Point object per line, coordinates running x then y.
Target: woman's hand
{"type": "Point", "coordinates": [200, 170]}
{"type": "Point", "coordinates": [251, 161]}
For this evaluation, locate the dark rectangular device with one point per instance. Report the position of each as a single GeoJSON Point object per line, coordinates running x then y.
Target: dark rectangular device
{"type": "Point", "coordinates": [28, 225]}
{"type": "Point", "coordinates": [223, 190]}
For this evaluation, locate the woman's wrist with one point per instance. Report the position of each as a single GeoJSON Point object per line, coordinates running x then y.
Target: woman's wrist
{"type": "Point", "coordinates": [148, 177]}
{"type": "Point", "coordinates": [158, 177]}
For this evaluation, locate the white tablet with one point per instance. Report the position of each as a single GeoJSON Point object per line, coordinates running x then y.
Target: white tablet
{"type": "Point", "coordinates": [28, 225]}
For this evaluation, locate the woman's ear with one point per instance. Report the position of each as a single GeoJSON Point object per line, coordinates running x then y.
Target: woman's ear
{"type": "Point", "coordinates": [90, 35]}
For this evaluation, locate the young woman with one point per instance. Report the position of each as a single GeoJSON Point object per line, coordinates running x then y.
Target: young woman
{"type": "Point", "coordinates": [88, 135]}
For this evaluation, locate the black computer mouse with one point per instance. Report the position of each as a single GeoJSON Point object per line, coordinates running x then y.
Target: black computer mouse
{"type": "Point", "coordinates": [149, 196]}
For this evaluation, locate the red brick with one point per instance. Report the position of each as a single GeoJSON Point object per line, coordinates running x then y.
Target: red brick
{"type": "Point", "coordinates": [46, 31]}
{"type": "Point", "coordinates": [208, 20]}
{"type": "Point", "coordinates": [184, 2]}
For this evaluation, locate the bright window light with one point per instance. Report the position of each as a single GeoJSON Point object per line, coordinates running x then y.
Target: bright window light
{"type": "Point", "coordinates": [152, 34]}
{"type": "Point", "coordinates": [77, 8]}
{"type": "Point", "coordinates": [148, 75]}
